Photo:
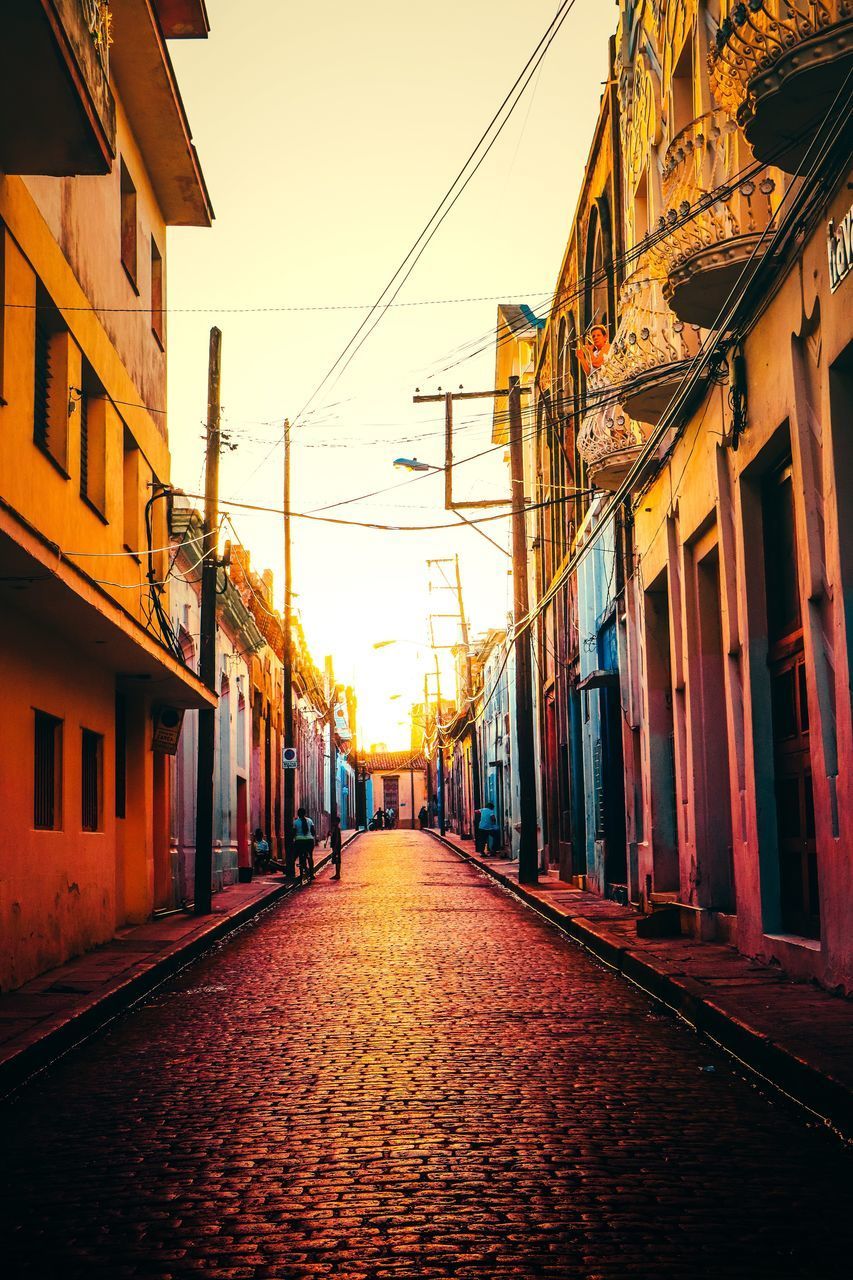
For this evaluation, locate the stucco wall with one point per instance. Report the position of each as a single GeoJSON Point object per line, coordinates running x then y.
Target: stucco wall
{"type": "Point", "coordinates": [60, 891]}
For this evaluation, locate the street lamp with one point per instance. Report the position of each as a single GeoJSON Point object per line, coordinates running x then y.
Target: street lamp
{"type": "Point", "coordinates": [414, 464]}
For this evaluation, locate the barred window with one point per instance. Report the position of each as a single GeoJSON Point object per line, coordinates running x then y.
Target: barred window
{"type": "Point", "coordinates": [47, 772]}
{"type": "Point", "coordinates": [92, 755]}
{"type": "Point", "coordinates": [84, 446]}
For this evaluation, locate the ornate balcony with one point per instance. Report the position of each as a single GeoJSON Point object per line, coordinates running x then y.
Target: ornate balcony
{"type": "Point", "coordinates": [57, 114]}
{"type": "Point", "coordinates": [651, 352]}
{"type": "Point", "coordinates": [777, 66]}
{"type": "Point", "coordinates": [703, 256]}
{"type": "Point", "coordinates": [609, 441]}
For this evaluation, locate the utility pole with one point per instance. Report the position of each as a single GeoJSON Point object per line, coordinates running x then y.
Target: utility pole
{"type": "Point", "coordinates": [441, 826]}
{"type": "Point", "coordinates": [203, 874]}
{"type": "Point", "coordinates": [476, 782]}
{"type": "Point", "coordinates": [426, 732]}
{"type": "Point", "coordinates": [287, 668]}
{"type": "Point", "coordinates": [528, 853]}
{"type": "Point", "coordinates": [333, 754]}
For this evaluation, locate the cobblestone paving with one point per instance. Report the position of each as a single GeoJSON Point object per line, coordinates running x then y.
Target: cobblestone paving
{"type": "Point", "coordinates": [409, 1075]}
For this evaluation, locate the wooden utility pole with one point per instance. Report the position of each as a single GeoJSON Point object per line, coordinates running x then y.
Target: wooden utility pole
{"type": "Point", "coordinates": [287, 669]}
{"type": "Point", "coordinates": [441, 804]}
{"type": "Point", "coordinates": [426, 731]}
{"type": "Point", "coordinates": [207, 639]}
{"type": "Point", "coordinates": [528, 852]}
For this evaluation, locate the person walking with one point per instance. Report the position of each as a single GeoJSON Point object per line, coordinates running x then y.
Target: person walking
{"type": "Point", "coordinates": [336, 842]}
{"type": "Point", "coordinates": [479, 833]}
{"type": "Point", "coordinates": [489, 827]}
{"type": "Point", "coordinates": [304, 839]}
{"type": "Point", "coordinates": [423, 818]}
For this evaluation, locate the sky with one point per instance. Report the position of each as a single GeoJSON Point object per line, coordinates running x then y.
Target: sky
{"type": "Point", "coordinates": [327, 135]}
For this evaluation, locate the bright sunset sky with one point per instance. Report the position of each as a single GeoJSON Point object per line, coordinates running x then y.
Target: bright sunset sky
{"type": "Point", "coordinates": [327, 134]}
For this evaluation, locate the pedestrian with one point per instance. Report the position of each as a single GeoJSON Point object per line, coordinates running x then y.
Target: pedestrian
{"type": "Point", "coordinates": [423, 817]}
{"type": "Point", "coordinates": [489, 827]}
{"type": "Point", "coordinates": [304, 839]}
{"type": "Point", "coordinates": [335, 840]}
{"type": "Point", "coordinates": [479, 834]}
{"type": "Point", "coordinates": [260, 851]}
{"type": "Point", "coordinates": [378, 820]}
{"type": "Point", "coordinates": [389, 819]}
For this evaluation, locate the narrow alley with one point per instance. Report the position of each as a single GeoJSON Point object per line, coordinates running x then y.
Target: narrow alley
{"type": "Point", "coordinates": [409, 1074]}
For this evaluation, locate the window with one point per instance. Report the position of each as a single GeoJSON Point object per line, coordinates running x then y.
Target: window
{"type": "Point", "coordinates": [157, 319]}
{"type": "Point", "coordinates": [47, 772]}
{"type": "Point", "coordinates": [91, 769]}
{"type": "Point", "coordinates": [130, 495]}
{"type": "Point", "coordinates": [51, 389]}
{"type": "Point", "coordinates": [92, 407]}
{"type": "Point", "coordinates": [128, 225]}
{"type": "Point", "coordinates": [121, 755]}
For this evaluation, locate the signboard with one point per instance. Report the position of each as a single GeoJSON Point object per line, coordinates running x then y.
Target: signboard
{"type": "Point", "coordinates": [167, 730]}
{"type": "Point", "coordinates": [288, 758]}
{"type": "Point", "coordinates": [839, 248]}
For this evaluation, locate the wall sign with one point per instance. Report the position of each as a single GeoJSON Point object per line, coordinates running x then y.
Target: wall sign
{"type": "Point", "coordinates": [289, 759]}
{"type": "Point", "coordinates": [839, 248]}
{"type": "Point", "coordinates": [167, 730]}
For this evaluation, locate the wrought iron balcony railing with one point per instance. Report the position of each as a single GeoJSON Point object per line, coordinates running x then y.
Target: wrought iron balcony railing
{"type": "Point", "coordinates": [776, 66]}
{"type": "Point", "coordinates": [708, 164]}
{"type": "Point", "coordinates": [651, 351]}
{"type": "Point", "coordinates": [608, 441]}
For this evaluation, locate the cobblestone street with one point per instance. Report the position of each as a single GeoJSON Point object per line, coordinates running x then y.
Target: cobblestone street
{"type": "Point", "coordinates": [408, 1074]}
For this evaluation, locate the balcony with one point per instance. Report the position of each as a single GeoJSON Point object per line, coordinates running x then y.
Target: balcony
{"type": "Point", "coordinates": [703, 256]}
{"type": "Point", "coordinates": [57, 114]}
{"type": "Point", "coordinates": [651, 352]}
{"type": "Point", "coordinates": [777, 67]}
{"type": "Point", "coordinates": [609, 441]}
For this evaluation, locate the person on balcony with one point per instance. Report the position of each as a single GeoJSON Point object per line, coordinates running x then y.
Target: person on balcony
{"type": "Point", "coordinates": [592, 351]}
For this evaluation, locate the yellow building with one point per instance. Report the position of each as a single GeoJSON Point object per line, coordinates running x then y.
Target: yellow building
{"type": "Point", "coordinates": [96, 161]}
{"type": "Point", "coordinates": [731, 347]}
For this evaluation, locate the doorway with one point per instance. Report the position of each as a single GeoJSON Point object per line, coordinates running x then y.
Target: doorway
{"type": "Point", "coordinates": [243, 856]}
{"type": "Point", "coordinates": [391, 796]}
{"type": "Point", "coordinates": [797, 850]}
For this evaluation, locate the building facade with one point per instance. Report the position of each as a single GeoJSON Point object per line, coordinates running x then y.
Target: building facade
{"type": "Point", "coordinates": [96, 161]}
{"type": "Point", "coordinates": [686, 464]}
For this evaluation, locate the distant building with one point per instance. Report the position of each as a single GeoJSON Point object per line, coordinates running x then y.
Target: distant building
{"type": "Point", "coordinates": [396, 780]}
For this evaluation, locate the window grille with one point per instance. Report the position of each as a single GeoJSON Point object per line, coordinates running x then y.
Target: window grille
{"type": "Point", "coordinates": [41, 411]}
{"type": "Point", "coordinates": [91, 789]}
{"type": "Point", "coordinates": [46, 771]}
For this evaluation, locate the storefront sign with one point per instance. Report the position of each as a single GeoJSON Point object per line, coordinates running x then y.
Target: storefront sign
{"type": "Point", "coordinates": [839, 247]}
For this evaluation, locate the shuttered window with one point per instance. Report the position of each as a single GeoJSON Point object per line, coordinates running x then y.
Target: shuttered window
{"type": "Point", "coordinates": [41, 408]}
{"type": "Point", "coordinates": [47, 771]}
{"type": "Point", "coordinates": [91, 780]}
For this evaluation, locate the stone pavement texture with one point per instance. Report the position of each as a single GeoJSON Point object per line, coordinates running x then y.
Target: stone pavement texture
{"type": "Point", "coordinates": [793, 1033]}
{"type": "Point", "coordinates": [51, 1013]}
{"type": "Point", "coordinates": [409, 1074]}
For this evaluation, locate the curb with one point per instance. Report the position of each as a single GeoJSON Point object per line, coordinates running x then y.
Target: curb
{"type": "Point", "coordinates": [102, 1008]}
{"type": "Point", "coordinates": [830, 1100]}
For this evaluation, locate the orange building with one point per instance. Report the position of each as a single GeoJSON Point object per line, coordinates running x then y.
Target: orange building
{"type": "Point", "coordinates": [96, 161]}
